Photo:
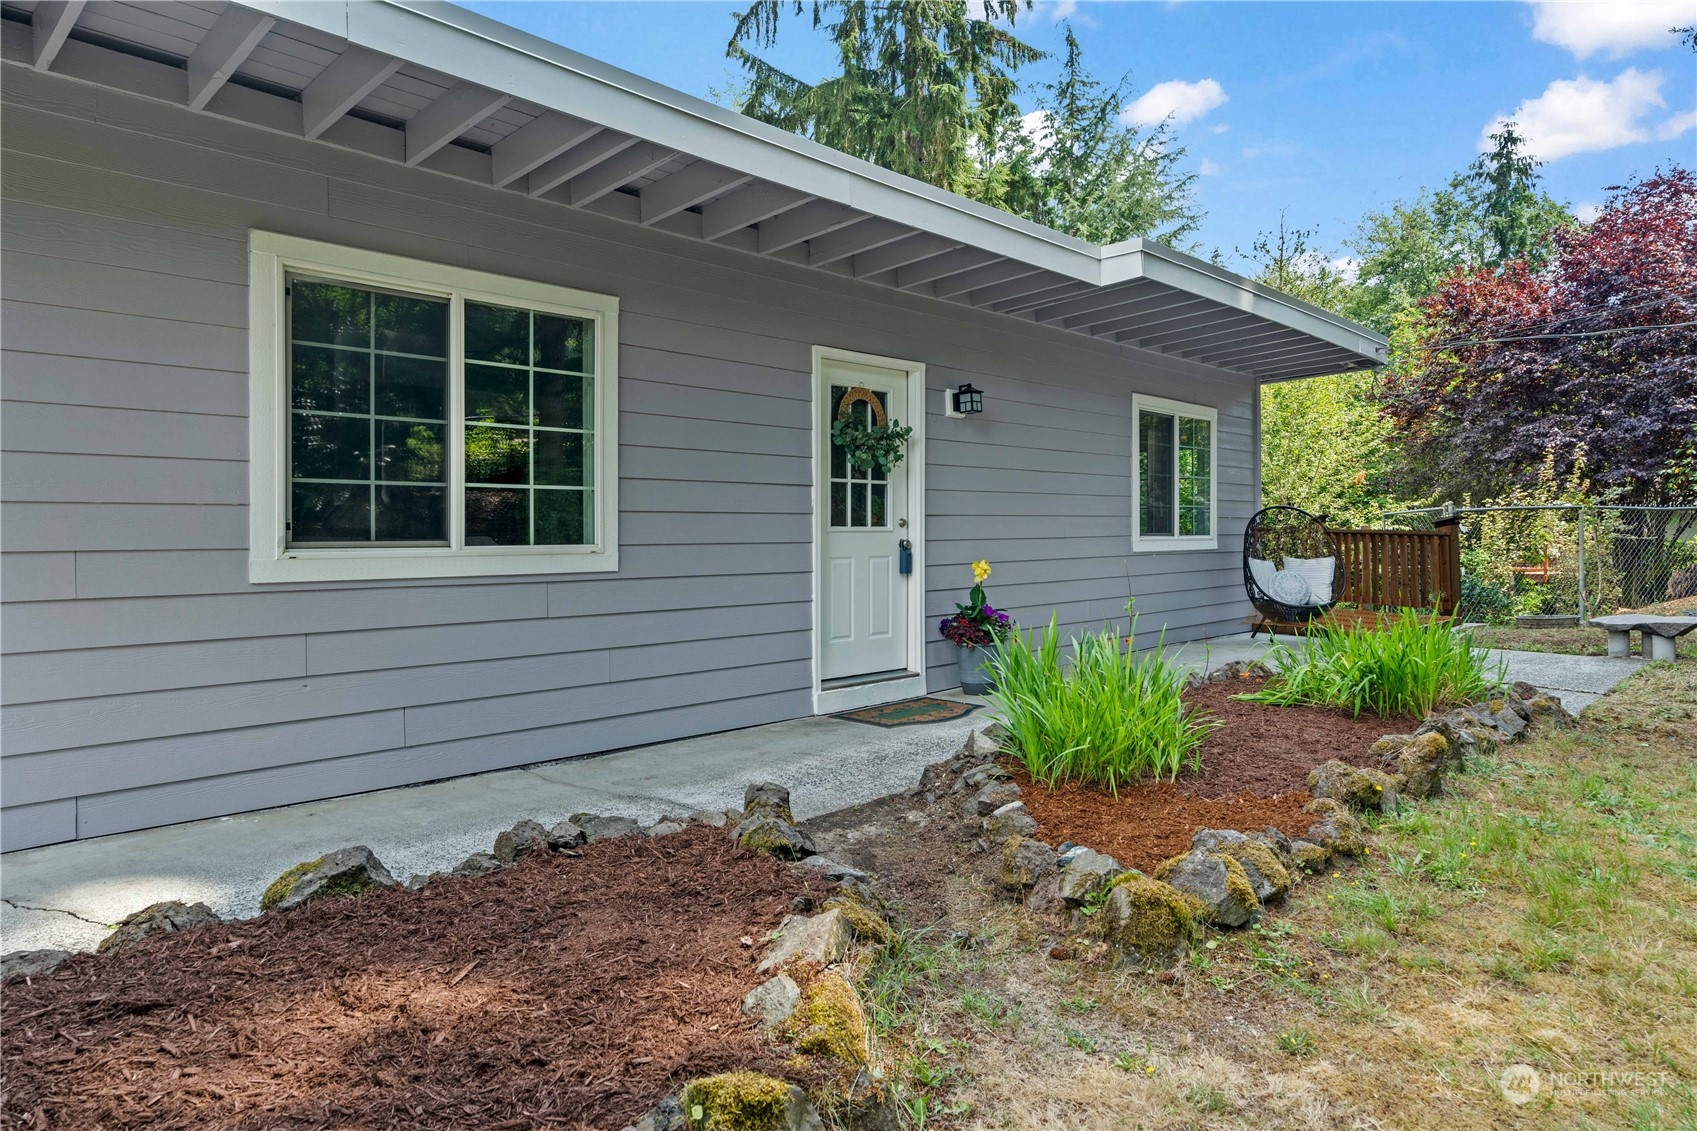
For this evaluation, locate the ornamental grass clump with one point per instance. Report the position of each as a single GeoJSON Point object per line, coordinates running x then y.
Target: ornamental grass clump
{"type": "Point", "coordinates": [1114, 717]}
{"type": "Point", "coordinates": [1412, 667]}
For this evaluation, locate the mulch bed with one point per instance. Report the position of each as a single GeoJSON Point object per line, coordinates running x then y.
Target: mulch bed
{"type": "Point", "coordinates": [1268, 751]}
{"type": "Point", "coordinates": [1254, 773]}
{"type": "Point", "coordinates": [569, 991]}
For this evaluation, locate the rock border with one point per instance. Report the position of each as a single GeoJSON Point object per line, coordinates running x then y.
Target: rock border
{"type": "Point", "coordinates": [1108, 912]}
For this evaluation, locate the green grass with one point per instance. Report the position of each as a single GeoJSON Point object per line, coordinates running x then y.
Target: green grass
{"type": "Point", "coordinates": [1112, 718]}
{"type": "Point", "coordinates": [1411, 667]}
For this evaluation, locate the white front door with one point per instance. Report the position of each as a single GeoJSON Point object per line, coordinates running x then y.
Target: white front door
{"type": "Point", "coordinates": [864, 597]}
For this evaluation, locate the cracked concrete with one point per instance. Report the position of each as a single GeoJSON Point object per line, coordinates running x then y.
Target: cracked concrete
{"type": "Point", "coordinates": [67, 896]}
{"type": "Point", "coordinates": [51, 911]}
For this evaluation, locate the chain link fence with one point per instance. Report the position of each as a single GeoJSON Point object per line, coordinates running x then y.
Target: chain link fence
{"type": "Point", "coordinates": [1566, 559]}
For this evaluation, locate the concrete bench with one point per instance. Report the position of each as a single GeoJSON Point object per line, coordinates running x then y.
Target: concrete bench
{"type": "Point", "coordinates": [1659, 633]}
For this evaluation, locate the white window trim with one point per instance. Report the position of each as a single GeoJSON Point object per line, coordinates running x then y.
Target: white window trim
{"type": "Point", "coordinates": [1141, 542]}
{"type": "Point", "coordinates": [270, 559]}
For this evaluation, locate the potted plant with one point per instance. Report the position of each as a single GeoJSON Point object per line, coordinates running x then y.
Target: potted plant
{"type": "Point", "coordinates": [975, 630]}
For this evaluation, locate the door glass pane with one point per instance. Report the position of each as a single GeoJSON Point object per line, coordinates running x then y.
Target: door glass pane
{"type": "Point", "coordinates": [365, 421]}
{"type": "Point", "coordinates": [530, 423]}
{"type": "Point", "coordinates": [1156, 489]}
{"type": "Point", "coordinates": [859, 495]}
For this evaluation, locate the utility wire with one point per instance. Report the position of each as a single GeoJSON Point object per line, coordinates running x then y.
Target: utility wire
{"type": "Point", "coordinates": [1548, 337]}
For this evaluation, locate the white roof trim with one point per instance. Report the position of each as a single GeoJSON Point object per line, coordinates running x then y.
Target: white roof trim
{"type": "Point", "coordinates": [455, 41]}
{"type": "Point", "coordinates": [801, 191]}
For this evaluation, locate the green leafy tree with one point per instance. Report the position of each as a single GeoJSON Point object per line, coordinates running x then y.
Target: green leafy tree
{"type": "Point", "coordinates": [1492, 214]}
{"type": "Point", "coordinates": [1074, 166]}
{"type": "Point", "coordinates": [919, 81]}
{"type": "Point", "coordinates": [1325, 447]}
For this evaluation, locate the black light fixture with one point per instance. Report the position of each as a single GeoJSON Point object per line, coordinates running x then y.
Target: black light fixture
{"type": "Point", "coordinates": [964, 401]}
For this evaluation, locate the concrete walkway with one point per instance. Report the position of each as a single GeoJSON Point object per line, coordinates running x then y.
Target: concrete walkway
{"type": "Point", "coordinates": [67, 895]}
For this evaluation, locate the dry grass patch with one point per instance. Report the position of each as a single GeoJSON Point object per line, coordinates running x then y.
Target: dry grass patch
{"type": "Point", "coordinates": [1543, 913]}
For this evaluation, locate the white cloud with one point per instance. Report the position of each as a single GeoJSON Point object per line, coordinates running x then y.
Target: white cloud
{"type": "Point", "coordinates": [1583, 115]}
{"type": "Point", "coordinates": [1176, 100]}
{"type": "Point", "coordinates": [1219, 129]}
{"type": "Point", "coordinates": [1587, 212]}
{"type": "Point", "coordinates": [1211, 168]}
{"type": "Point", "coordinates": [1617, 27]}
{"type": "Point", "coordinates": [1060, 9]}
{"type": "Point", "coordinates": [1348, 266]}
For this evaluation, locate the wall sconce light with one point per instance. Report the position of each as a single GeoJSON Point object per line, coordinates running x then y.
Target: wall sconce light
{"type": "Point", "coordinates": [963, 401]}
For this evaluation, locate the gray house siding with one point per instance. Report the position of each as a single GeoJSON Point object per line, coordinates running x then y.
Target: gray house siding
{"type": "Point", "coordinates": [145, 681]}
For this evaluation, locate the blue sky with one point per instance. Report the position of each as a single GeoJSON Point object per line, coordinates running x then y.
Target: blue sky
{"type": "Point", "coordinates": [1324, 110]}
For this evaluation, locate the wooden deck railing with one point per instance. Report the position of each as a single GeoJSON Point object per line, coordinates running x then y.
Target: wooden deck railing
{"type": "Point", "coordinates": [1402, 569]}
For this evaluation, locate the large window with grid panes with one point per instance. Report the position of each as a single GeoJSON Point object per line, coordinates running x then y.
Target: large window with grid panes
{"type": "Point", "coordinates": [414, 419]}
{"type": "Point", "coordinates": [1174, 475]}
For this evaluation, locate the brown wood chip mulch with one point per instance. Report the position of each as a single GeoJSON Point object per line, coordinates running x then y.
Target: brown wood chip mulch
{"type": "Point", "coordinates": [569, 991]}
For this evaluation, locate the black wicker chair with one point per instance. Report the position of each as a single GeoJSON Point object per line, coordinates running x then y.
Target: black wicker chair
{"type": "Point", "coordinates": [1277, 533]}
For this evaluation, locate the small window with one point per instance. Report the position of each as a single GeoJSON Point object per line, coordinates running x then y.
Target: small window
{"type": "Point", "coordinates": [1173, 468]}
{"type": "Point", "coordinates": [417, 420]}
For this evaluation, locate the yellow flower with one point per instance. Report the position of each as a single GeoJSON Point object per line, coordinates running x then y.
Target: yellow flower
{"type": "Point", "coordinates": [980, 571]}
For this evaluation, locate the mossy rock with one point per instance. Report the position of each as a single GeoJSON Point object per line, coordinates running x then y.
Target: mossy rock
{"type": "Point", "coordinates": [345, 872]}
{"type": "Point", "coordinates": [1146, 923]}
{"type": "Point", "coordinates": [1309, 858]}
{"type": "Point", "coordinates": [1421, 762]}
{"type": "Point", "coordinates": [1026, 863]}
{"type": "Point", "coordinates": [1337, 829]}
{"type": "Point", "coordinates": [282, 885]}
{"type": "Point", "coordinates": [747, 1101]}
{"type": "Point", "coordinates": [830, 1021]}
{"type": "Point", "coordinates": [762, 832]}
{"type": "Point", "coordinates": [1267, 875]}
{"type": "Point", "coordinates": [1354, 786]}
{"type": "Point", "coordinates": [868, 926]}
{"type": "Point", "coordinates": [1216, 879]}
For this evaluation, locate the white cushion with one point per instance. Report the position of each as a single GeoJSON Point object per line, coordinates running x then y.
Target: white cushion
{"type": "Point", "coordinates": [1319, 573]}
{"type": "Point", "coordinates": [1290, 588]}
{"type": "Point", "coordinates": [1262, 571]}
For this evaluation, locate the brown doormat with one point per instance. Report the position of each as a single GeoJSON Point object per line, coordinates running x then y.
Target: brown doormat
{"type": "Point", "coordinates": [910, 712]}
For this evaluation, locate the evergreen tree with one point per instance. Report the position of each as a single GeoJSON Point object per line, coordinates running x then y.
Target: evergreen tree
{"type": "Point", "coordinates": [1073, 165]}
{"type": "Point", "coordinates": [919, 82]}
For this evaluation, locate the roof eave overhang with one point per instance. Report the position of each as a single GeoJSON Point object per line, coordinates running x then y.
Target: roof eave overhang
{"type": "Point", "coordinates": [802, 201]}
